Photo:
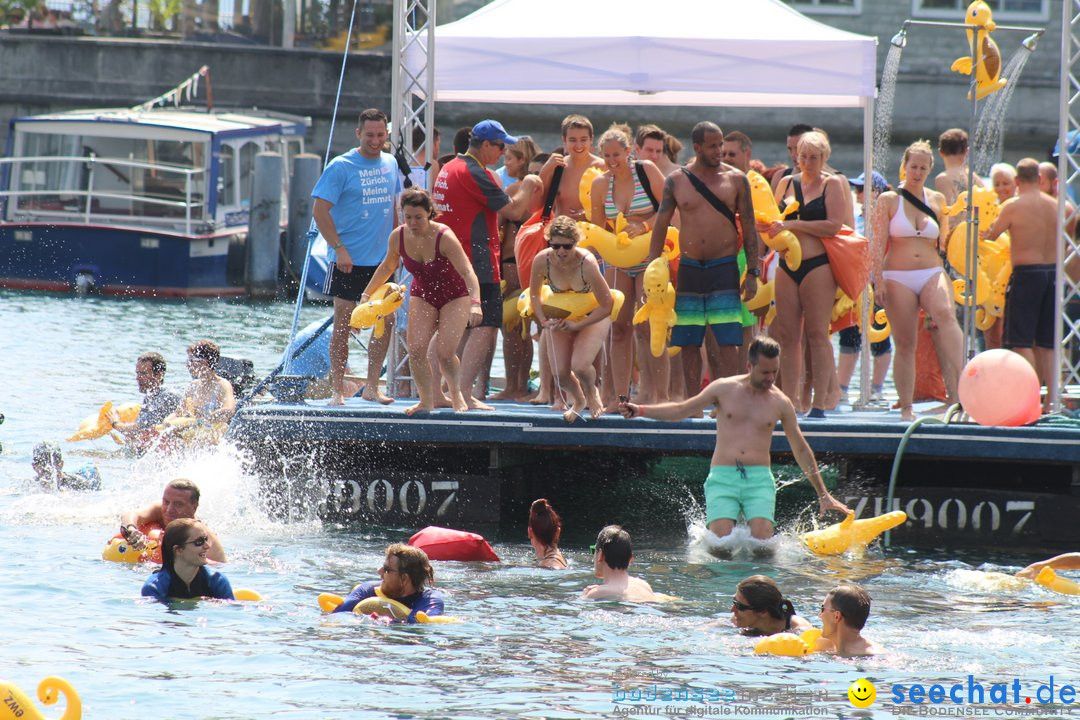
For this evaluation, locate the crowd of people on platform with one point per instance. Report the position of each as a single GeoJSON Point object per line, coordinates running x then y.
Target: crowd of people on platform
{"type": "Point", "coordinates": [462, 242]}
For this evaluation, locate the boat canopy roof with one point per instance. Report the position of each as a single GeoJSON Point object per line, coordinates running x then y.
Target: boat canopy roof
{"type": "Point", "coordinates": [223, 122]}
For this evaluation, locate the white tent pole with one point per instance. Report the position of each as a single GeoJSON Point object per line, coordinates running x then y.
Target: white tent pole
{"type": "Point", "coordinates": [866, 362]}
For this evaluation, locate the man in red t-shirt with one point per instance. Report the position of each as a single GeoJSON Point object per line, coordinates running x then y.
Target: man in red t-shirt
{"type": "Point", "coordinates": [468, 199]}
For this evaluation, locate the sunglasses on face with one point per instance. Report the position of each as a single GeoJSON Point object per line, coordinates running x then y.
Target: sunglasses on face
{"type": "Point", "coordinates": [500, 145]}
{"type": "Point", "coordinates": [741, 606]}
{"type": "Point", "coordinates": [387, 569]}
{"type": "Point", "coordinates": [199, 541]}
{"type": "Point", "coordinates": [561, 246]}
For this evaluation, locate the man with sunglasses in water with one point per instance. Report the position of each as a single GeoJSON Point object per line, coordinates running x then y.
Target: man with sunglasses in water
{"type": "Point", "coordinates": [404, 574]}
{"type": "Point", "coordinates": [843, 616]}
{"type": "Point", "coordinates": [180, 499]}
{"type": "Point", "coordinates": [469, 200]}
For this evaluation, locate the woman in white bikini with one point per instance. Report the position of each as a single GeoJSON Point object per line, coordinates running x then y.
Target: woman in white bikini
{"type": "Point", "coordinates": [913, 220]}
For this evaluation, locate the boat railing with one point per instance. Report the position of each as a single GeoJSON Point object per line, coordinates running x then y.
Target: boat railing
{"type": "Point", "coordinates": [166, 195]}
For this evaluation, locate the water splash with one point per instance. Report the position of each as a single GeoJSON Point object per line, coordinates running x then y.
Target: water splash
{"type": "Point", "coordinates": [989, 141]}
{"type": "Point", "coordinates": [883, 113]}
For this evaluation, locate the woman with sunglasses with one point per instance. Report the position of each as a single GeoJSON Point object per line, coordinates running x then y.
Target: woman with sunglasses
{"type": "Point", "coordinates": [183, 574]}
{"type": "Point", "coordinates": [572, 344]}
{"type": "Point", "coordinates": [759, 608]}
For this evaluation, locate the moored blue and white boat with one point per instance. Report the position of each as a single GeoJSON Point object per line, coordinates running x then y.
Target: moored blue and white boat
{"type": "Point", "coordinates": [145, 201]}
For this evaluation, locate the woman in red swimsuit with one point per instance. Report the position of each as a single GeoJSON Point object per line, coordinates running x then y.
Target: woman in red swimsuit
{"type": "Point", "coordinates": [444, 297]}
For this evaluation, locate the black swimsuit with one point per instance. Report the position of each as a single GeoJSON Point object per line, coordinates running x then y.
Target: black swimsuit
{"type": "Point", "coordinates": [813, 210]}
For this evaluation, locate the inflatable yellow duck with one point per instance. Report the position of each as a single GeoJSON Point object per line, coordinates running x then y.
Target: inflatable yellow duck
{"type": "Point", "coordinates": [659, 306]}
{"type": "Point", "coordinates": [585, 188]}
{"type": "Point", "coordinates": [15, 705]}
{"type": "Point", "coordinates": [789, 644]}
{"type": "Point", "coordinates": [987, 67]}
{"type": "Point", "coordinates": [619, 249]}
{"type": "Point", "coordinates": [381, 605]}
{"type": "Point", "coordinates": [95, 426]}
{"type": "Point", "coordinates": [766, 293]}
{"type": "Point", "coordinates": [766, 210]}
{"type": "Point", "coordinates": [851, 534]}
{"type": "Point", "coordinates": [574, 306]}
{"type": "Point", "coordinates": [382, 303]}
{"type": "Point", "coordinates": [1050, 579]}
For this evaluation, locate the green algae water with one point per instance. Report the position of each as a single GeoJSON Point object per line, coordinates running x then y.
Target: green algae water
{"type": "Point", "coordinates": [528, 646]}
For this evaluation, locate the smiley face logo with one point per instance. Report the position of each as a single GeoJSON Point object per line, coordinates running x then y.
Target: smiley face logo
{"type": "Point", "coordinates": [862, 693]}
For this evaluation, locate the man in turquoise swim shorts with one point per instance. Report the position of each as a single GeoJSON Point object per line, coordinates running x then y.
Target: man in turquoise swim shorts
{"type": "Point", "coordinates": [747, 409]}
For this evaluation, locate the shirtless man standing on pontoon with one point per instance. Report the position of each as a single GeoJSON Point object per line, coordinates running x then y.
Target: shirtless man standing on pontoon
{"type": "Point", "coordinates": [577, 136]}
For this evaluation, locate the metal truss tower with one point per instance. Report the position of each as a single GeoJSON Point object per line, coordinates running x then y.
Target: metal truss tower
{"type": "Point", "coordinates": [1067, 332]}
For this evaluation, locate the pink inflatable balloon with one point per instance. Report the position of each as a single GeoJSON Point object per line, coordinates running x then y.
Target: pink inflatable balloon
{"type": "Point", "coordinates": [998, 387]}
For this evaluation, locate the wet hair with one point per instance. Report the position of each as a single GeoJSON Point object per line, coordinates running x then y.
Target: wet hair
{"type": "Point", "coordinates": [818, 141]}
{"type": "Point", "coordinates": [919, 147]}
{"type": "Point", "coordinates": [47, 453]}
{"type": "Point", "coordinates": [853, 604]}
{"type": "Point", "coordinates": [372, 114]}
{"type": "Point", "coordinates": [176, 533]}
{"type": "Point", "coordinates": [703, 128]}
{"type": "Point", "coordinates": [526, 149]}
{"type": "Point", "coordinates": [740, 137]}
{"type": "Point", "coordinates": [1027, 171]}
{"type": "Point", "coordinates": [618, 132]}
{"type": "Point", "coordinates": [157, 362]}
{"type": "Point", "coordinates": [762, 346]}
{"type": "Point", "coordinates": [576, 121]}
{"type": "Point", "coordinates": [672, 148]}
{"type": "Point", "coordinates": [461, 140]}
{"type": "Point", "coordinates": [418, 197]}
{"type": "Point", "coordinates": [614, 542]}
{"type": "Point", "coordinates": [563, 226]}
{"type": "Point", "coordinates": [413, 561]}
{"type": "Point", "coordinates": [649, 132]}
{"type": "Point", "coordinates": [418, 136]}
{"type": "Point", "coordinates": [799, 129]}
{"type": "Point", "coordinates": [1002, 167]}
{"type": "Point", "coordinates": [187, 486]}
{"type": "Point", "coordinates": [953, 141]}
{"type": "Point", "coordinates": [763, 594]}
{"type": "Point", "coordinates": [207, 350]}
{"type": "Point", "coordinates": [545, 523]}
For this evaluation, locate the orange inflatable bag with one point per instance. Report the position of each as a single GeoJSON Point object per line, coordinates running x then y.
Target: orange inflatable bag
{"type": "Point", "coordinates": [530, 238]}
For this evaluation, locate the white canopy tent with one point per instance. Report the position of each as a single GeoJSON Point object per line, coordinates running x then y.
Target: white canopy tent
{"type": "Point", "coordinates": [746, 53]}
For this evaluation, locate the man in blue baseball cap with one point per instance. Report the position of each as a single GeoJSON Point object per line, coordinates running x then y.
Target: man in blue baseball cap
{"type": "Point", "coordinates": [468, 199]}
{"type": "Point", "coordinates": [491, 131]}
{"type": "Point", "coordinates": [879, 185]}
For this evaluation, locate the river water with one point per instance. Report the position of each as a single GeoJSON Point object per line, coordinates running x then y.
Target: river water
{"type": "Point", "coordinates": [528, 646]}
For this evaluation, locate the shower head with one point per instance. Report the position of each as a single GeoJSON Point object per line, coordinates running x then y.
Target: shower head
{"type": "Point", "coordinates": [900, 39]}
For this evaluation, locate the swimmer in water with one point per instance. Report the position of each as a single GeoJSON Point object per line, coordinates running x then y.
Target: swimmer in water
{"type": "Point", "coordinates": [759, 608]}
{"type": "Point", "coordinates": [843, 616]}
{"type": "Point", "coordinates": [183, 574]}
{"type": "Point", "coordinates": [613, 555]}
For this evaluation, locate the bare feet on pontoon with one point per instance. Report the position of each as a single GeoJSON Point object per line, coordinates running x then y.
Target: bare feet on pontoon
{"type": "Point", "coordinates": [459, 403]}
{"type": "Point", "coordinates": [506, 394]}
{"type": "Point", "coordinates": [907, 414]}
{"type": "Point", "coordinates": [474, 404]}
{"type": "Point", "coordinates": [375, 395]}
{"type": "Point", "coordinates": [573, 414]}
{"type": "Point", "coordinates": [336, 399]}
{"type": "Point", "coordinates": [540, 399]}
{"type": "Point", "coordinates": [442, 401]}
{"type": "Point", "coordinates": [417, 408]}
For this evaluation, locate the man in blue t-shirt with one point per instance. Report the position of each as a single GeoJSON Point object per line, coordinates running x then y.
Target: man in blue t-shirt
{"type": "Point", "coordinates": [404, 574]}
{"type": "Point", "coordinates": [355, 210]}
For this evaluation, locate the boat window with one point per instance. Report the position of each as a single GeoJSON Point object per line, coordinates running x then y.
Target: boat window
{"type": "Point", "coordinates": [226, 176]}
{"type": "Point", "coordinates": [247, 171]}
{"type": "Point", "coordinates": [112, 176]}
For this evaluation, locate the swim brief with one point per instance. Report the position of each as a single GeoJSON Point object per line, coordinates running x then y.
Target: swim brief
{"type": "Point", "coordinates": [707, 295]}
{"type": "Point", "coordinates": [730, 489]}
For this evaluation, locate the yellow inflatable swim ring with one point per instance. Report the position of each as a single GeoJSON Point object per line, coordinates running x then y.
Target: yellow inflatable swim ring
{"type": "Point", "coordinates": [851, 534]}
{"type": "Point", "coordinates": [381, 605]}
{"type": "Point", "coordinates": [789, 644]}
{"type": "Point", "coordinates": [619, 249]}
{"type": "Point", "coordinates": [1051, 580]}
{"type": "Point", "coordinates": [98, 425]}
{"type": "Point", "coordinates": [384, 302]}
{"type": "Point", "coordinates": [575, 306]}
{"type": "Point", "coordinates": [15, 705]}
